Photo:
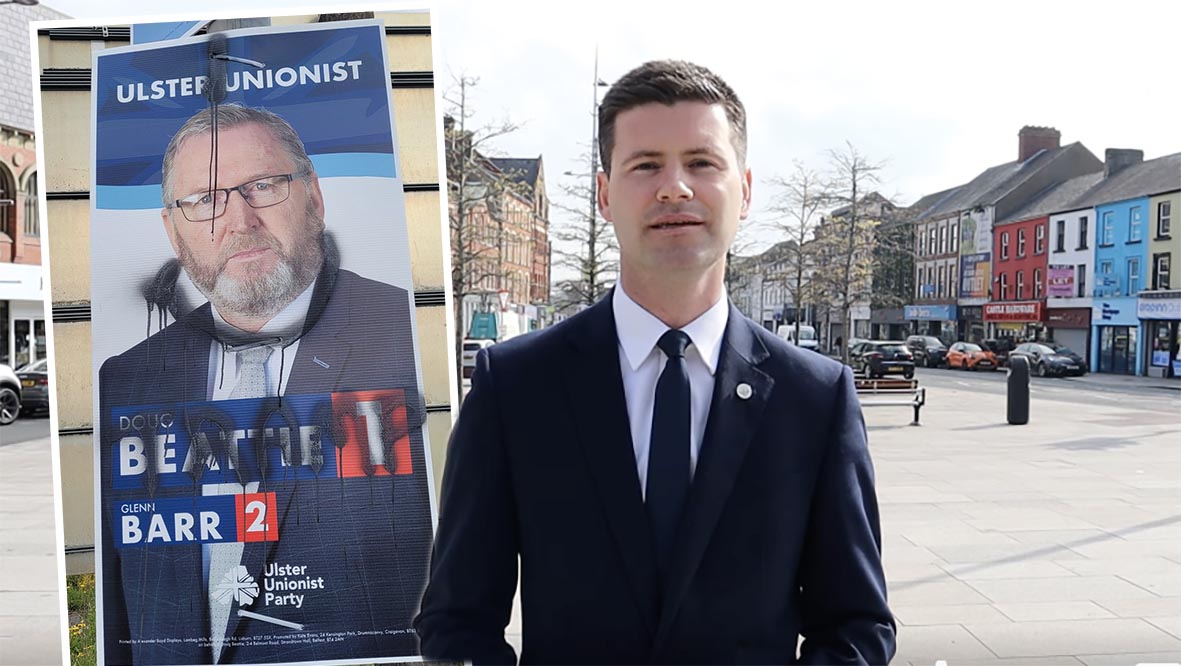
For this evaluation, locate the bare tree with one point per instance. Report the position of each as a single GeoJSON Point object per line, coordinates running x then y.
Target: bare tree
{"type": "Point", "coordinates": [475, 191]}
{"type": "Point", "coordinates": [847, 239]}
{"type": "Point", "coordinates": [586, 246]}
{"type": "Point", "coordinates": [799, 198]}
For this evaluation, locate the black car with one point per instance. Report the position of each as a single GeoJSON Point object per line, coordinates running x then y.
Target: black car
{"type": "Point", "coordinates": [878, 358]}
{"type": "Point", "coordinates": [1048, 359]}
{"type": "Point", "coordinates": [928, 350]}
{"type": "Point", "coordinates": [34, 379]}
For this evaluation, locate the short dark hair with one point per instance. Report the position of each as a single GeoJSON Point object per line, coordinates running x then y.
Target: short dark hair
{"type": "Point", "coordinates": [668, 82]}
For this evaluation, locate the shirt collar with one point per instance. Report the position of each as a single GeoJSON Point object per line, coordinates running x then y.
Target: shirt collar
{"type": "Point", "coordinates": [638, 330]}
{"type": "Point", "coordinates": [287, 323]}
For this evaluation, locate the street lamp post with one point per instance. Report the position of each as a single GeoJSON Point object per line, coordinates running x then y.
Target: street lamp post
{"type": "Point", "coordinates": [592, 217]}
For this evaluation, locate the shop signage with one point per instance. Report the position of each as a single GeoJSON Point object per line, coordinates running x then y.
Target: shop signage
{"type": "Point", "coordinates": [1158, 308]}
{"type": "Point", "coordinates": [1022, 311]}
{"type": "Point", "coordinates": [930, 312]}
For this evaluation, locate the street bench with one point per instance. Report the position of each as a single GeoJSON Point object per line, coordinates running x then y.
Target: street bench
{"type": "Point", "coordinates": [888, 392]}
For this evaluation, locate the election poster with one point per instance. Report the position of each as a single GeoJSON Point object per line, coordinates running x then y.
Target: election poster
{"type": "Point", "coordinates": [263, 490]}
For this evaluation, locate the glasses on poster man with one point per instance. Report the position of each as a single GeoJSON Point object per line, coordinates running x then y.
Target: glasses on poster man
{"type": "Point", "coordinates": [259, 193]}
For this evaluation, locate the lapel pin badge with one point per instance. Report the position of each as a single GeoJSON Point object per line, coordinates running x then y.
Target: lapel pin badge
{"type": "Point", "coordinates": [317, 361]}
{"type": "Point", "coordinates": [744, 391]}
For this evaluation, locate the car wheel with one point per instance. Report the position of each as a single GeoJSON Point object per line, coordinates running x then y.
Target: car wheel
{"type": "Point", "coordinates": [1041, 369]}
{"type": "Point", "coordinates": [964, 364]}
{"type": "Point", "coordinates": [10, 406]}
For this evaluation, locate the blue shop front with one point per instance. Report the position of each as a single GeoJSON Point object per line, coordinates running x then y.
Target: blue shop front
{"type": "Point", "coordinates": [936, 320]}
{"type": "Point", "coordinates": [1116, 342]}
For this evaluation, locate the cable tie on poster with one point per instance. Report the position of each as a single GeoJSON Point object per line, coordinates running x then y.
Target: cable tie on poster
{"type": "Point", "coordinates": [272, 620]}
{"type": "Point", "coordinates": [244, 61]}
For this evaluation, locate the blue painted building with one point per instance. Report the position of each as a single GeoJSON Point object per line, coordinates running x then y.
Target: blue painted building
{"type": "Point", "coordinates": [1122, 238]}
{"type": "Point", "coordinates": [1120, 256]}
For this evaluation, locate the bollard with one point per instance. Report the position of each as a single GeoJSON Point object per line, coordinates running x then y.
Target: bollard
{"type": "Point", "coordinates": [1018, 408]}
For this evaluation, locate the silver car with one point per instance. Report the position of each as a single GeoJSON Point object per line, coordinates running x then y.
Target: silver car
{"type": "Point", "coordinates": [10, 395]}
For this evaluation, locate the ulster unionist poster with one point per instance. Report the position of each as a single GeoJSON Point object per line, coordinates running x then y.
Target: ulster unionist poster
{"type": "Point", "coordinates": [264, 492]}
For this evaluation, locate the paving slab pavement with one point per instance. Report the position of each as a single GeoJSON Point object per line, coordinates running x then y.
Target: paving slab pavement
{"type": "Point", "coordinates": [30, 603]}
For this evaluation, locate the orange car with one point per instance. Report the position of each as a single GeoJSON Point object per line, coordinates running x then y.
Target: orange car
{"type": "Point", "coordinates": [969, 356]}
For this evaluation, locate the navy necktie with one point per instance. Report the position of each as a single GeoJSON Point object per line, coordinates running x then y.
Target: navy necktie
{"type": "Point", "coordinates": [668, 452]}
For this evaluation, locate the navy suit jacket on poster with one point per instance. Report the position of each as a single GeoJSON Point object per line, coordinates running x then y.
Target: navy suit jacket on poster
{"type": "Point", "coordinates": [362, 340]}
{"type": "Point", "coordinates": [780, 536]}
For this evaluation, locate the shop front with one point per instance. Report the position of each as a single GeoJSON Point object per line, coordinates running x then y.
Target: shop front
{"type": "Point", "coordinates": [1070, 327]}
{"type": "Point", "coordinates": [888, 324]}
{"type": "Point", "coordinates": [970, 325]}
{"type": "Point", "coordinates": [1022, 321]}
{"type": "Point", "coordinates": [936, 320]}
{"type": "Point", "coordinates": [1160, 316]}
{"type": "Point", "coordinates": [1115, 328]}
{"type": "Point", "coordinates": [22, 315]}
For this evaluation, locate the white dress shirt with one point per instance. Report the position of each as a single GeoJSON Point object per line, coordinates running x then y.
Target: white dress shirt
{"type": "Point", "coordinates": [287, 323]}
{"type": "Point", "coordinates": [641, 362]}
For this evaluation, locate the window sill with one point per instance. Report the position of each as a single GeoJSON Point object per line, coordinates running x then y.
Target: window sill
{"type": "Point", "coordinates": [1163, 238]}
{"type": "Point", "coordinates": [1133, 242]}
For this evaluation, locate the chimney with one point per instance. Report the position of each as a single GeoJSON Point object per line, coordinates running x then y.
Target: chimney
{"type": "Point", "coordinates": [1118, 159]}
{"type": "Point", "coordinates": [1032, 139]}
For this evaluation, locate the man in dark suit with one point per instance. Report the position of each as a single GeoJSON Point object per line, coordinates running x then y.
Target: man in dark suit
{"type": "Point", "coordinates": [256, 249]}
{"type": "Point", "coordinates": [676, 484]}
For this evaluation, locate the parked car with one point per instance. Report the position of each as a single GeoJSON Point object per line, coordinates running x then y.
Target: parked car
{"type": "Point", "coordinates": [1000, 347]}
{"type": "Point", "coordinates": [878, 358]}
{"type": "Point", "coordinates": [10, 395]}
{"type": "Point", "coordinates": [34, 380]}
{"type": "Point", "coordinates": [471, 346]}
{"type": "Point", "coordinates": [1049, 360]}
{"type": "Point", "coordinates": [807, 336]}
{"type": "Point", "coordinates": [970, 356]}
{"type": "Point", "coordinates": [928, 350]}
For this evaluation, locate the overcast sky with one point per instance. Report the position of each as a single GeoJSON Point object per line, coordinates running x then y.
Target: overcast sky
{"type": "Point", "coordinates": [936, 90]}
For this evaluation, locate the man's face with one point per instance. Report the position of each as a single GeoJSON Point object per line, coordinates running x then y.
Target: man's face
{"type": "Point", "coordinates": [676, 190]}
{"type": "Point", "coordinates": [257, 260]}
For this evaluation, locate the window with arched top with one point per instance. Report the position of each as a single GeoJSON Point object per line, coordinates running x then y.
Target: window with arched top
{"type": "Point", "coordinates": [7, 204]}
{"type": "Point", "coordinates": [32, 223]}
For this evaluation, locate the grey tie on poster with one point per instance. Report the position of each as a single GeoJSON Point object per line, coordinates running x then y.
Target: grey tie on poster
{"type": "Point", "coordinates": [224, 558]}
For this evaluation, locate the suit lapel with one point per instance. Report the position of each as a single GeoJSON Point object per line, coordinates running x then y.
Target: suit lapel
{"type": "Point", "coordinates": [324, 350]}
{"type": "Point", "coordinates": [594, 383]}
{"type": "Point", "coordinates": [733, 421]}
